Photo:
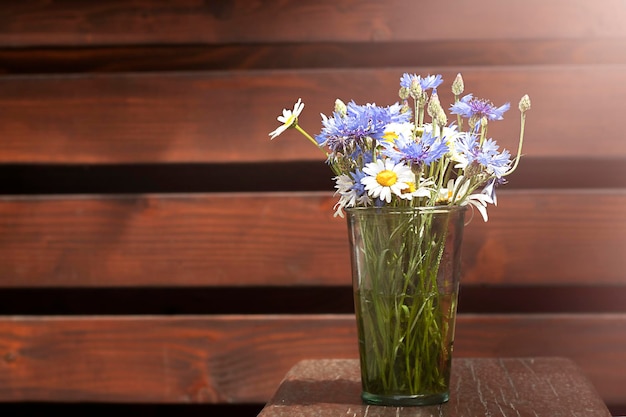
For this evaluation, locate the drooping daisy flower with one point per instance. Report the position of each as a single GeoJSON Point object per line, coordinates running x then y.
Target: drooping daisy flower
{"type": "Point", "coordinates": [288, 119]}
{"type": "Point", "coordinates": [422, 189]}
{"type": "Point", "coordinates": [458, 192]}
{"type": "Point", "coordinates": [352, 192]}
{"type": "Point", "coordinates": [475, 108]}
{"type": "Point", "coordinates": [386, 178]}
{"type": "Point", "coordinates": [480, 201]}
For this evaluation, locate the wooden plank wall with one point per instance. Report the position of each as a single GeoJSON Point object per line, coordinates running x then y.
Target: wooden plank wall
{"type": "Point", "coordinates": [160, 255]}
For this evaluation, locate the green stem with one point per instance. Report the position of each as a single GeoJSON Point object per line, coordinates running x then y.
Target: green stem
{"type": "Point", "coordinates": [310, 138]}
{"type": "Point", "coordinates": [519, 147]}
{"type": "Point", "coordinates": [335, 169]}
{"type": "Point", "coordinates": [404, 325]}
{"type": "Point", "coordinates": [483, 132]}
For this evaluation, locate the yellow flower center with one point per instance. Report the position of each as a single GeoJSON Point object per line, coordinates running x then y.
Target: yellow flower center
{"type": "Point", "coordinates": [290, 120]}
{"type": "Point", "coordinates": [386, 178]}
{"type": "Point", "coordinates": [410, 189]}
{"type": "Point", "coordinates": [390, 136]}
{"type": "Point", "coordinates": [445, 196]}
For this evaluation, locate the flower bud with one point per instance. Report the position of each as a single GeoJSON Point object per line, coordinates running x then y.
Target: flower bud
{"type": "Point", "coordinates": [416, 89]}
{"type": "Point", "coordinates": [524, 104]}
{"type": "Point", "coordinates": [340, 108]}
{"type": "Point", "coordinates": [442, 118]}
{"type": "Point", "coordinates": [405, 107]}
{"type": "Point", "coordinates": [434, 106]}
{"type": "Point", "coordinates": [403, 93]}
{"type": "Point", "coordinates": [457, 85]}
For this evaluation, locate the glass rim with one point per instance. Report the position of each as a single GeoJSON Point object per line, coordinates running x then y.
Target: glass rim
{"type": "Point", "coordinates": [406, 209]}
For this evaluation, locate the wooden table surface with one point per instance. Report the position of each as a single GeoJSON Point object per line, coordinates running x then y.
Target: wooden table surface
{"type": "Point", "coordinates": [507, 387]}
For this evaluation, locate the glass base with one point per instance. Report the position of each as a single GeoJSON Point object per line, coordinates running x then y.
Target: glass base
{"type": "Point", "coordinates": [405, 400]}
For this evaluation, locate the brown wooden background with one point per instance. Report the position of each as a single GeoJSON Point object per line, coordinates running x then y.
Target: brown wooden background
{"type": "Point", "coordinates": [158, 254]}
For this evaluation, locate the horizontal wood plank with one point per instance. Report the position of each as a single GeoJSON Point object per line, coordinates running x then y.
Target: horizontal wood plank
{"type": "Point", "coordinates": [311, 55]}
{"type": "Point", "coordinates": [203, 359]}
{"type": "Point", "coordinates": [544, 237]}
{"type": "Point", "coordinates": [33, 23]}
{"type": "Point", "coordinates": [171, 240]}
{"type": "Point", "coordinates": [73, 37]}
{"type": "Point", "coordinates": [204, 118]}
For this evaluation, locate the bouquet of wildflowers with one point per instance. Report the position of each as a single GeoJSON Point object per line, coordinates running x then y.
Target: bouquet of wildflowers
{"type": "Point", "coordinates": [391, 156]}
{"type": "Point", "coordinates": [404, 173]}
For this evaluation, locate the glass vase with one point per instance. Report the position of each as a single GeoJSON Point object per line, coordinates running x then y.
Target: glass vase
{"type": "Point", "coordinates": [405, 273]}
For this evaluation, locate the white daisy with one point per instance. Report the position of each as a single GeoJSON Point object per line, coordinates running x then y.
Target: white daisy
{"type": "Point", "coordinates": [450, 133]}
{"type": "Point", "coordinates": [345, 188]}
{"type": "Point", "coordinates": [479, 201]}
{"type": "Point", "coordinates": [385, 178]}
{"type": "Point", "coordinates": [395, 130]}
{"type": "Point", "coordinates": [457, 192]}
{"type": "Point", "coordinates": [350, 196]}
{"type": "Point", "coordinates": [423, 190]}
{"type": "Point", "coordinates": [288, 119]}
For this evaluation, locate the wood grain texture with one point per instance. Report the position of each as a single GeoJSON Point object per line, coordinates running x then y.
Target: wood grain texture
{"type": "Point", "coordinates": [207, 359]}
{"type": "Point", "coordinates": [226, 116]}
{"type": "Point", "coordinates": [152, 82]}
{"type": "Point", "coordinates": [533, 387]}
{"type": "Point", "coordinates": [275, 239]}
{"type": "Point", "coordinates": [156, 97]}
{"type": "Point", "coordinates": [29, 23]}
{"type": "Point", "coordinates": [173, 240]}
{"type": "Point", "coordinates": [161, 360]}
{"type": "Point", "coordinates": [573, 336]}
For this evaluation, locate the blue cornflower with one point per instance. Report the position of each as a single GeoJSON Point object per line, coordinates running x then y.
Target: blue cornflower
{"type": "Point", "coordinates": [425, 151]}
{"type": "Point", "coordinates": [494, 162]}
{"type": "Point", "coordinates": [431, 81]}
{"type": "Point", "coordinates": [364, 156]}
{"type": "Point", "coordinates": [407, 79]}
{"type": "Point", "coordinates": [357, 187]}
{"type": "Point", "coordinates": [487, 156]}
{"type": "Point", "coordinates": [475, 108]}
{"type": "Point", "coordinates": [347, 132]}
